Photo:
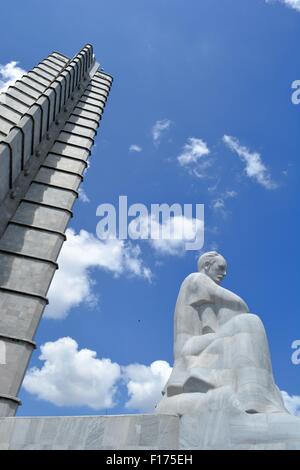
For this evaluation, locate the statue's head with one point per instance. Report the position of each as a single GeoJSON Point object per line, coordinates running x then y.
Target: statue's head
{"type": "Point", "coordinates": [213, 265]}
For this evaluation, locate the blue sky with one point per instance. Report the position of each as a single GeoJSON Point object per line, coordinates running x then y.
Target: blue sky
{"type": "Point", "coordinates": [188, 75]}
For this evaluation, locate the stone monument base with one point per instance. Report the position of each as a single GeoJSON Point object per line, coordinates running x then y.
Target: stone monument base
{"type": "Point", "coordinates": [223, 431]}
{"type": "Point", "coordinates": [211, 430]}
{"type": "Point", "coordinates": [126, 432]}
{"type": "Point", "coordinates": [216, 420]}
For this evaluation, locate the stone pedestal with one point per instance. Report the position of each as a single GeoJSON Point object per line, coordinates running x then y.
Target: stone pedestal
{"type": "Point", "coordinates": [126, 432]}
{"type": "Point", "coordinates": [210, 430]}
{"type": "Point", "coordinates": [220, 430]}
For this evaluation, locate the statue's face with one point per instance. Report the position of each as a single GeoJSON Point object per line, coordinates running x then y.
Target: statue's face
{"type": "Point", "coordinates": [217, 269]}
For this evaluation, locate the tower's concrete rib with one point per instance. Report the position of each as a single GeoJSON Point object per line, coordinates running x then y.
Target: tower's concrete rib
{"type": "Point", "coordinates": [16, 101]}
{"type": "Point", "coordinates": [48, 121]}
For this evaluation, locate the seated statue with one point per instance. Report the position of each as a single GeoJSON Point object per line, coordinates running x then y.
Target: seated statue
{"type": "Point", "coordinates": [220, 349]}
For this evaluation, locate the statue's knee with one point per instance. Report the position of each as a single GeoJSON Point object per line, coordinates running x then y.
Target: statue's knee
{"type": "Point", "coordinates": [247, 322]}
{"type": "Point", "coordinates": [253, 321]}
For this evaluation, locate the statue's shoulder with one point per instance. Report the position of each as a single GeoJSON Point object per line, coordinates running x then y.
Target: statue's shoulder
{"type": "Point", "coordinates": [196, 279]}
{"type": "Point", "coordinates": [194, 291]}
{"type": "Point", "coordinates": [195, 284]}
{"type": "Point", "coordinates": [189, 281]}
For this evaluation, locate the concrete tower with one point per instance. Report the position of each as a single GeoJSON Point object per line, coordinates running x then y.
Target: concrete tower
{"type": "Point", "coordinates": [48, 122]}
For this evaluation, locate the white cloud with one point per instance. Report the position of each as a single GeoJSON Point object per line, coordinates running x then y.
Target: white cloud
{"type": "Point", "coordinates": [83, 197]}
{"type": "Point", "coordinates": [159, 128]}
{"type": "Point", "coordinates": [290, 3]}
{"type": "Point", "coordinates": [70, 376]}
{"type": "Point", "coordinates": [135, 148]}
{"type": "Point", "coordinates": [171, 236]}
{"type": "Point", "coordinates": [292, 403]}
{"type": "Point", "coordinates": [73, 377]}
{"type": "Point", "coordinates": [218, 204]}
{"type": "Point", "coordinates": [255, 168]}
{"type": "Point", "coordinates": [182, 230]}
{"type": "Point", "coordinates": [230, 194]}
{"type": "Point", "coordinates": [9, 73]}
{"type": "Point", "coordinates": [192, 151]}
{"type": "Point", "coordinates": [145, 384]}
{"type": "Point", "coordinates": [73, 282]}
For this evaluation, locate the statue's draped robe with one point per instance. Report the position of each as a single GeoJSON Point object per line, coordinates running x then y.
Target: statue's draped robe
{"type": "Point", "coordinates": [219, 345]}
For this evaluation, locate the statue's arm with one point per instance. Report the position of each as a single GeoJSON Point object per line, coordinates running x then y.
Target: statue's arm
{"type": "Point", "coordinates": [188, 344]}
{"type": "Point", "coordinates": [196, 318]}
{"type": "Point", "coordinates": [196, 344]}
{"type": "Point", "coordinates": [191, 332]}
{"type": "Point", "coordinates": [225, 298]}
{"type": "Point", "coordinates": [208, 292]}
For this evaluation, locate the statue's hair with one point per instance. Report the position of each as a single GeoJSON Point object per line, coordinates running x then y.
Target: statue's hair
{"type": "Point", "coordinates": [208, 257]}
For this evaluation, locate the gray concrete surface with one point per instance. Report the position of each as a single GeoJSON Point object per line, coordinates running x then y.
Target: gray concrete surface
{"type": "Point", "coordinates": [224, 428]}
{"type": "Point", "coordinates": [216, 429]}
{"type": "Point", "coordinates": [90, 432]}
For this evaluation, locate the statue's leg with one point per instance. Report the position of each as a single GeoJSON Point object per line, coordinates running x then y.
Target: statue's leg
{"type": "Point", "coordinates": [247, 353]}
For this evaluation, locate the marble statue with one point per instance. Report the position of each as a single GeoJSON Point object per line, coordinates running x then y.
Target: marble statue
{"type": "Point", "coordinates": [221, 356]}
